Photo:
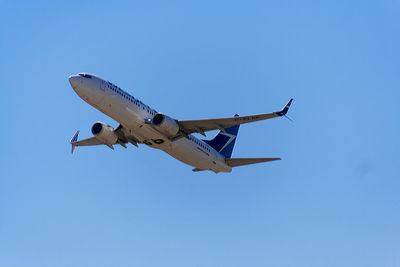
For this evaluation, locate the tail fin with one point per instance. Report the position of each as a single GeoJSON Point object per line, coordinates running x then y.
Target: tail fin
{"type": "Point", "coordinates": [224, 141]}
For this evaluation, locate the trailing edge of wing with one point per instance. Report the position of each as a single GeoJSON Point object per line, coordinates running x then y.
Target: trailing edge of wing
{"type": "Point", "coordinates": [201, 126]}
{"type": "Point", "coordinates": [246, 161]}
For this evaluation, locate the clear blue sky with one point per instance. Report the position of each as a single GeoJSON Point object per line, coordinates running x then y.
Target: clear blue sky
{"type": "Point", "coordinates": [332, 201]}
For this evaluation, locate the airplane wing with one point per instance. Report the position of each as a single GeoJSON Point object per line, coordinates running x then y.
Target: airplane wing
{"type": "Point", "coordinates": [93, 141]}
{"type": "Point", "coordinates": [201, 126]}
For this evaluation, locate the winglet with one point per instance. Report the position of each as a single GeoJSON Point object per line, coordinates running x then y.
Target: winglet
{"type": "Point", "coordinates": [285, 108]}
{"type": "Point", "coordinates": [73, 140]}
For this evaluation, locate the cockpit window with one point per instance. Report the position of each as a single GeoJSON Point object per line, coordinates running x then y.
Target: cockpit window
{"type": "Point", "coordinates": [85, 75]}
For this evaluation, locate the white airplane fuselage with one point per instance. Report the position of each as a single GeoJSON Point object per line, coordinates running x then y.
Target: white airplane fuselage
{"type": "Point", "coordinates": [136, 117]}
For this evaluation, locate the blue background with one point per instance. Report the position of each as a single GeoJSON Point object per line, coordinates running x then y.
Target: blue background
{"type": "Point", "coordinates": [332, 201]}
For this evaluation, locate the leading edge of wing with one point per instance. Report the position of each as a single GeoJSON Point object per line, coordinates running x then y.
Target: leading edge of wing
{"type": "Point", "coordinates": [201, 126]}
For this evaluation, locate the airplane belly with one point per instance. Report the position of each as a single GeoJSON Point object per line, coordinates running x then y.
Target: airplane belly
{"type": "Point", "coordinates": [184, 151]}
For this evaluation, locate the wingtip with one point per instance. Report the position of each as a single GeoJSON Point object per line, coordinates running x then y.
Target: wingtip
{"type": "Point", "coordinates": [73, 148]}
{"type": "Point", "coordinates": [75, 137]}
{"type": "Point", "coordinates": [285, 109]}
{"type": "Point", "coordinates": [73, 140]}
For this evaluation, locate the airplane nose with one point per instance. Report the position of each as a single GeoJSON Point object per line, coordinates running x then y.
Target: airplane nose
{"type": "Point", "coordinates": [74, 80]}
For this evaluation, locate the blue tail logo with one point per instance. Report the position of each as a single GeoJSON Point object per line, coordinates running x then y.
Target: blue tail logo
{"type": "Point", "coordinates": [224, 142]}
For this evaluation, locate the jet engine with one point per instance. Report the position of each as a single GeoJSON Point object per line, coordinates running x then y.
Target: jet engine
{"type": "Point", "coordinates": [165, 124]}
{"type": "Point", "coordinates": [104, 133]}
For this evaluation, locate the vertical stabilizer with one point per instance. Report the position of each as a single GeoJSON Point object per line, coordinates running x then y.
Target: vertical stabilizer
{"type": "Point", "coordinates": [224, 141]}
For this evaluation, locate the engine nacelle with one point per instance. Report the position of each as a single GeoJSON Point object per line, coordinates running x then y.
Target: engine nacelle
{"type": "Point", "coordinates": [165, 124]}
{"type": "Point", "coordinates": [104, 133]}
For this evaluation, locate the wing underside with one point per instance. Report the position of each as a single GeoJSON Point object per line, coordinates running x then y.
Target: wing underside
{"type": "Point", "coordinates": [122, 140]}
{"type": "Point", "coordinates": [93, 141]}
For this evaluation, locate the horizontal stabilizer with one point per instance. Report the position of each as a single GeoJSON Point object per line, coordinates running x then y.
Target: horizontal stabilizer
{"type": "Point", "coordinates": [246, 161]}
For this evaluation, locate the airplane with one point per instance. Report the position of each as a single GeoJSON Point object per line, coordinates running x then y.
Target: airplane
{"type": "Point", "coordinates": [140, 124]}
